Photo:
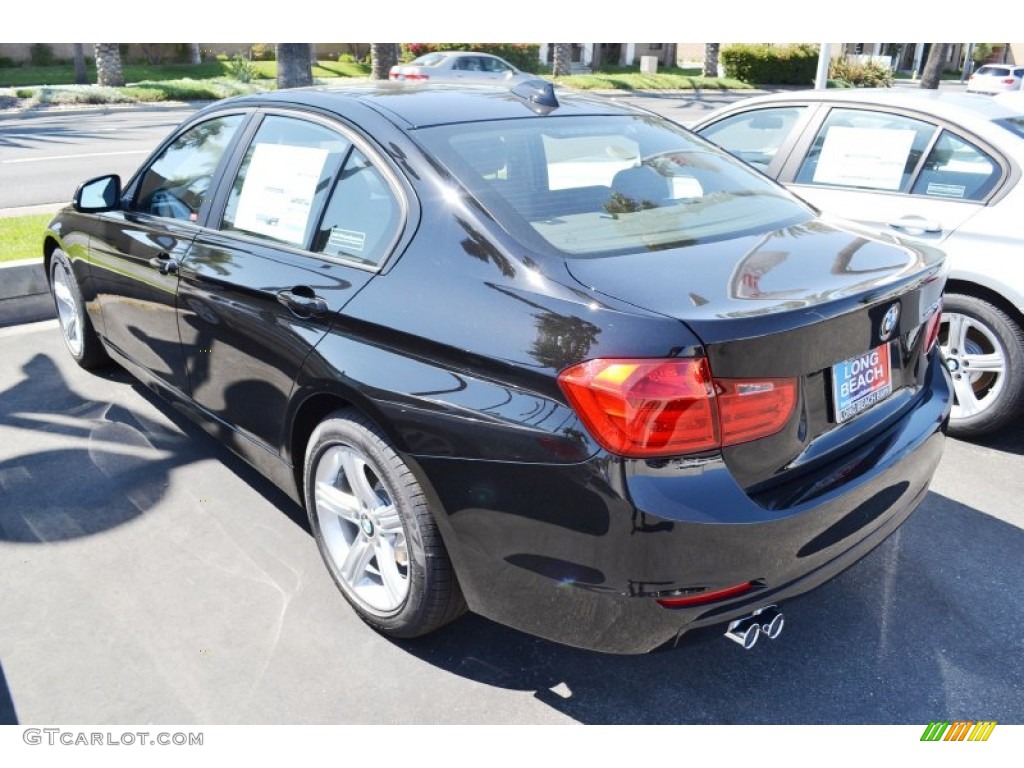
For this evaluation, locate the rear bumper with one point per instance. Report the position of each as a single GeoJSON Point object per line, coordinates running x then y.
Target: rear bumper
{"type": "Point", "coordinates": [579, 553]}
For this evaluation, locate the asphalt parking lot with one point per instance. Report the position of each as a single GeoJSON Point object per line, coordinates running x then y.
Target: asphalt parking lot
{"type": "Point", "coordinates": [150, 576]}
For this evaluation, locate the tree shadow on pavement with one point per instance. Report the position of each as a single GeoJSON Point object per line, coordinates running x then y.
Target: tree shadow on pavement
{"type": "Point", "coordinates": [111, 463]}
{"type": "Point", "coordinates": [928, 626]}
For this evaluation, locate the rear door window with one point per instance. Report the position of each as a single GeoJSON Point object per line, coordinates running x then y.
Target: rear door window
{"type": "Point", "coordinates": [864, 149]}
{"type": "Point", "coordinates": [284, 179]}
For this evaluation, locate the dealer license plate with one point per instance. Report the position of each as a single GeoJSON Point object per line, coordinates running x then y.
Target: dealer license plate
{"type": "Point", "coordinates": [860, 382]}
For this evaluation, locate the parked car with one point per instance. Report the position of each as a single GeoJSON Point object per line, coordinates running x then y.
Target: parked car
{"type": "Point", "coordinates": [458, 67]}
{"type": "Point", "coordinates": [995, 78]}
{"type": "Point", "coordinates": [554, 359]}
{"type": "Point", "coordinates": [939, 167]}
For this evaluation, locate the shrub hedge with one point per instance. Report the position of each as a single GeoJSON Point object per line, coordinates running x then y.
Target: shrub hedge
{"type": "Point", "coordinates": [767, 64]}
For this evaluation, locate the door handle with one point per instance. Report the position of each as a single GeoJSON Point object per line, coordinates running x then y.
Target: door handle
{"type": "Point", "coordinates": [301, 304]}
{"type": "Point", "coordinates": [916, 224]}
{"type": "Point", "coordinates": [164, 263]}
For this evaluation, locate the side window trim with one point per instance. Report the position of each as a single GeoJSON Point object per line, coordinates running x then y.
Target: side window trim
{"type": "Point", "coordinates": [408, 207]}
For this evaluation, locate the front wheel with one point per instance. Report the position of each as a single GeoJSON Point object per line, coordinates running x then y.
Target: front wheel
{"type": "Point", "coordinates": [79, 336]}
{"type": "Point", "coordinates": [983, 349]}
{"type": "Point", "coordinates": [375, 531]}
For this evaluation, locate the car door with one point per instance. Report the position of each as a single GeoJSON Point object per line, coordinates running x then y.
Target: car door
{"type": "Point", "coordinates": [135, 251]}
{"type": "Point", "coordinates": [893, 171]}
{"type": "Point", "coordinates": [305, 219]}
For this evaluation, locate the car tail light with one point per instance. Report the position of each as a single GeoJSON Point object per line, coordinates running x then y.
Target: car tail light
{"type": "Point", "coordinates": [1009, 81]}
{"type": "Point", "coordinates": [749, 410]}
{"type": "Point", "coordinates": [648, 408]}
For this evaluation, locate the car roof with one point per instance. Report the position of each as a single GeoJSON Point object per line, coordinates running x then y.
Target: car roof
{"type": "Point", "coordinates": [975, 112]}
{"type": "Point", "coordinates": [419, 105]}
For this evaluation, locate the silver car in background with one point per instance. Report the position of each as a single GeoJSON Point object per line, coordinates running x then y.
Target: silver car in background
{"type": "Point", "coordinates": [459, 67]}
{"type": "Point", "coordinates": [939, 167]}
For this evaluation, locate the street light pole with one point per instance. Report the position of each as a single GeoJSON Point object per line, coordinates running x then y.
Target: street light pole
{"type": "Point", "coordinates": [968, 63]}
{"type": "Point", "coordinates": [824, 58]}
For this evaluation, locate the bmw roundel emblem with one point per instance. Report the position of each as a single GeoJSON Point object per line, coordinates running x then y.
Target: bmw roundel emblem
{"type": "Point", "coordinates": [889, 322]}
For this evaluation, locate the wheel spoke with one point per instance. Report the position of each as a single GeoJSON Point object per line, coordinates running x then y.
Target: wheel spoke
{"type": "Point", "coordinates": [387, 520]}
{"type": "Point", "coordinates": [63, 293]}
{"type": "Point", "coordinates": [990, 363]}
{"type": "Point", "coordinates": [956, 337]}
{"type": "Point", "coordinates": [336, 502]}
{"type": "Point", "coordinates": [355, 473]}
{"type": "Point", "coordinates": [966, 399]}
{"type": "Point", "coordinates": [71, 329]}
{"type": "Point", "coordinates": [356, 561]}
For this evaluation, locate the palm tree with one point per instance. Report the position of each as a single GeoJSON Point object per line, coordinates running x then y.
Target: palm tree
{"type": "Point", "coordinates": [561, 59]}
{"type": "Point", "coordinates": [933, 66]}
{"type": "Point", "coordinates": [711, 59]}
{"type": "Point", "coordinates": [108, 64]}
{"type": "Point", "coordinates": [383, 56]}
{"type": "Point", "coordinates": [78, 54]}
{"type": "Point", "coordinates": [293, 70]}
{"type": "Point", "coordinates": [195, 56]}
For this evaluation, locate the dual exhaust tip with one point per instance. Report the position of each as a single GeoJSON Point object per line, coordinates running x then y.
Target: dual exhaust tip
{"type": "Point", "coordinates": [764, 621]}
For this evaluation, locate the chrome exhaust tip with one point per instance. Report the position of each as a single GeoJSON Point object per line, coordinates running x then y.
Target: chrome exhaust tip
{"type": "Point", "coordinates": [771, 621]}
{"type": "Point", "coordinates": [766, 621]}
{"type": "Point", "coordinates": [744, 631]}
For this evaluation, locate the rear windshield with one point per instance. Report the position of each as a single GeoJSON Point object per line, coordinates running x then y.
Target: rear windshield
{"type": "Point", "coordinates": [596, 186]}
{"type": "Point", "coordinates": [428, 60]}
{"type": "Point", "coordinates": [1014, 125]}
{"type": "Point", "coordinates": [994, 71]}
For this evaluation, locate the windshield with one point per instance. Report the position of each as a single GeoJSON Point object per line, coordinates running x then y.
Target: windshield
{"type": "Point", "coordinates": [596, 186]}
{"type": "Point", "coordinates": [1014, 125]}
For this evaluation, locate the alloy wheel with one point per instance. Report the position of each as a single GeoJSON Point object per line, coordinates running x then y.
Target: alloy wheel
{"type": "Point", "coordinates": [68, 312]}
{"type": "Point", "coordinates": [976, 360]}
{"type": "Point", "coordinates": [361, 529]}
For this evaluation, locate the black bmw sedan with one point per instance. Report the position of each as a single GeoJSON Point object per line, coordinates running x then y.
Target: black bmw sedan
{"type": "Point", "coordinates": [538, 355]}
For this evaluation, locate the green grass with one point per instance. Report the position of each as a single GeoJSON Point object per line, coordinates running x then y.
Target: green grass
{"type": "Point", "coordinates": [64, 74]}
{"type": "Point", "coordinates": [21, 237]}
{"type": "Point", "coordinates": [631, 79]}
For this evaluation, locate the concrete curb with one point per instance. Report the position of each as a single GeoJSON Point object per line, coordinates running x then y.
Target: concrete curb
{"type": "Point", "coordinates": [30, 210]}
{"type": "Point", "coordinates": [24, 293]}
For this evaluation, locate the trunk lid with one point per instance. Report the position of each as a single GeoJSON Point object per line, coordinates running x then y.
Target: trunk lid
{"type": "Point", "coordinates": [795, 302]}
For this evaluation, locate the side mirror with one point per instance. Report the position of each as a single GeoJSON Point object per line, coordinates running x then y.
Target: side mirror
{"type": "Point", "coordinates": [97, 195]}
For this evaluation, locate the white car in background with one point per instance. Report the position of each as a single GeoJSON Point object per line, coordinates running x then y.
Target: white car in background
{"type": "Point", "coordinates": [995, 78]}
{"type": "Point", "coordinates": [940, 167]}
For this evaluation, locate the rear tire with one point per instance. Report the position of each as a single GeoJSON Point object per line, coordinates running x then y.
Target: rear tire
{"type": "Point", "coordinates": [983, 348]}
{"type": "Point", "coordinates": [80, 337]}
{"type": "Point", "coordinates": [375, 531]}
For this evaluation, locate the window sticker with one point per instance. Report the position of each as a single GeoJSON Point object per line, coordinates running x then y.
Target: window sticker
{"type": "Point", "coordinates": [946, 190]}
{"type": "Point", "coordinates": [864, 157]}
{"type": "Point", "coordinates": [277, 194]}
{"type": "Point", "coordinates": [346, 240]}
